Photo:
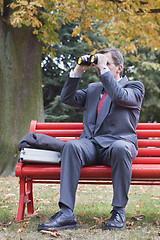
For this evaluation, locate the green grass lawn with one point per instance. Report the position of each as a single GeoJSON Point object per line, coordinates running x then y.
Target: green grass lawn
{"type": "Point", "coordinates": [93, 206]}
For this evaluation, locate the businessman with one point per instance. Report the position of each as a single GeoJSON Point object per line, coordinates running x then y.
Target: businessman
{"type": "Point", "coordinates": [111, 113]}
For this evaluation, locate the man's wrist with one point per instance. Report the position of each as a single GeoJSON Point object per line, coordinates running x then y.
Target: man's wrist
{"type": "Point", "coordinates": [78, 69]}
{"type": "Point", "coordinates": [74, 74]}
{"type": "Point", "coordinates": [104, 70]}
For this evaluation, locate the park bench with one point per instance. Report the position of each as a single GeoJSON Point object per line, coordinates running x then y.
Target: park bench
{"type": "Point", "coordinates": [146, 166]}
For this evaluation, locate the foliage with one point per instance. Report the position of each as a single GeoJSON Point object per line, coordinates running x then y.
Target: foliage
{"type": "Point", "coordinates": [54, 72]}
{"type": "Point", "coordinates": [125, 23]}
{"type": "Point", "coordinates": [144, 65]}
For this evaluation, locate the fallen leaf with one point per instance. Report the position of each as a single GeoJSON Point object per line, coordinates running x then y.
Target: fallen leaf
{"type": "Point", "coordinates": [136, 205]}
{"type": "Point", "coordinates": [20, 230]}
{"type": "Point", "coordinates": [5, 224]}
{"type": "Point", "coordinates": [24, 223]}
{"type": "Point", "coordinates": [8, 195]}
{"type": "Point", "coordinates": [157, 223]}
{"type": "Point", "coordinates": [129, 224]}
{"type": "Point", "coordinates": [52, 232]}
{"type": "Point", "coordinates": [141, 204]}
{"type": "Point", "coordinates": [83, 214]}
{"type": "Point", "coordinates": [93, 227]}
{"type": "Point", "coordinates": [137, 211]}
{"type": "Point", "coordinates": [138, 217]}
{"type": "Point", "coordinates": [107, 218]}
{"type": "Point", "coordinates": [98, 220]}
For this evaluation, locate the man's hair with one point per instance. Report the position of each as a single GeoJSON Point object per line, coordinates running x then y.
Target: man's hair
{"type": "Point", "coordinates": [116, 55]}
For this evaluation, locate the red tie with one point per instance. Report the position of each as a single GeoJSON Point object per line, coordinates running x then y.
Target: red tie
{"type": "Point", "coordinates": [101, 102]}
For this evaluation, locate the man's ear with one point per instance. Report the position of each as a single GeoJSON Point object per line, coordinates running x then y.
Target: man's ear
{"type": "Point", "coordinates": [120, 68]}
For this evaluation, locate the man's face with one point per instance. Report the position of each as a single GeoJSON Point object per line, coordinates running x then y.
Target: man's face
{"type": "Point", "coordinates": [113, 68]}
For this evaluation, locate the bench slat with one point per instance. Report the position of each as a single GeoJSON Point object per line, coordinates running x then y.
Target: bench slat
{"type": "Point", "coordinates": [147, 160]}
{"type": "Point", "coordinates": [148, 133]}
{"type": "Point", "coordinates": [77, 133]}
{"type": "Point", "coordinates": [61, 133]}
{"type": "Point", "coordinates": [148, 126]}
{"type": "Point", "coordinates": [93, 172]}
{"type": "Point", "coordinates": [149, 142]}
{"type": "Point", "coordinates": [79, 125]}
{"type": "Point", "coordinates": [59, 126]}
{"type": "Point", "coordinates": [149, 151]}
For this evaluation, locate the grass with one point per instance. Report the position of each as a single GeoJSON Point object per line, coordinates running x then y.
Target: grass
{"type": "Point", "coordinates": [93, 206]}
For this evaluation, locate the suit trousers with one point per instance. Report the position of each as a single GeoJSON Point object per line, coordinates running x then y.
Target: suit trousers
{"type": "Point", "coordinates": [84, 152]}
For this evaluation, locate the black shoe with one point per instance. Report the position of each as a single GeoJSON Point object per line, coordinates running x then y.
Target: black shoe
{"type": "Point", "coordinates": [54, 216]}
{"type": "Point", "coordinates": [58, 222]}
{"type": "Point", "coordinates": [116, 222]}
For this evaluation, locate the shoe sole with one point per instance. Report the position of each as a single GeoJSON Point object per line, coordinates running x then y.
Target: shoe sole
{"type": "Point", "coordinates": [59, 228]}
{"type": "Point", "coordinates": [115, 228]}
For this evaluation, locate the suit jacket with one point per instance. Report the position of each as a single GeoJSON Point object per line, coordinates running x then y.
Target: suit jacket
{"type": "Point", "coordinates": [40, 141]}
{"type": "Point", "coordinates": [120, 111]}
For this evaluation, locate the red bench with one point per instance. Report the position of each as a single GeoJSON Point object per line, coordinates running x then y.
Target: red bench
{"type": "Point", "coordinates": [146, 166]}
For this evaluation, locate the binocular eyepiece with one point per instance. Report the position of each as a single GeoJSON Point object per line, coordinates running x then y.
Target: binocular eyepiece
{"type": "Point", "coordinates": [90, 60]}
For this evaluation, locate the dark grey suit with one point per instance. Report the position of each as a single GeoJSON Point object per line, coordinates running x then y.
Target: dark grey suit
{"type": "Point", "coordinates": [109, 138]}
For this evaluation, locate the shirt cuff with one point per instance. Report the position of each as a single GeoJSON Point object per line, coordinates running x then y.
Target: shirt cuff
{"type": "Point", "coordinates": [104, 70]}
{"type": "Point", "coordinates": [72, 74]}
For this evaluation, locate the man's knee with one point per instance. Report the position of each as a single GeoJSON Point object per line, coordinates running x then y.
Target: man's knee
{"type": "Point", "coordinates": [70, 145]}
{"type": "Point", "coordinates": [120, 151]}
{"type": "Point", "coordinates": [72, 153]}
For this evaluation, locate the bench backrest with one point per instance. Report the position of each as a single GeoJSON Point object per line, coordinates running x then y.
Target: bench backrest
{"type": "Point", "coordinates": [148, 137]}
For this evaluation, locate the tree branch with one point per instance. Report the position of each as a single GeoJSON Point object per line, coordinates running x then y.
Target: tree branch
{"type": "Point", "coordinates": [6, 9]}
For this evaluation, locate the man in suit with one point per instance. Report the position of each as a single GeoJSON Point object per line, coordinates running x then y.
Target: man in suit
{"type": "Point", "coordinates": [111, 113]}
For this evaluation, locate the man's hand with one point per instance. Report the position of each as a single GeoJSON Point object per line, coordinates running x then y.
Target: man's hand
{"type": "Point", "coordinates": [81, 68]}
{"type": "Point", "coordinates": [102, 61]}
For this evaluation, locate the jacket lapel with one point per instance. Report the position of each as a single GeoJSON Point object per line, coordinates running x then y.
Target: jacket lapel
{"type": "Point", "coordinates": [106, 106]}
{"type": "Point", "coordinates": [92, 107]}
{"type": "Point", "coordinates": [103, 112]}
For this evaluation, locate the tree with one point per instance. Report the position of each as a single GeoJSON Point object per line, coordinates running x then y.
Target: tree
{"type": "Point", "coordinates": [145, 66]}
{"type": "Point", "coordinates": [20, 87]}
{"type": "Point", "coordinates": [21, 98]}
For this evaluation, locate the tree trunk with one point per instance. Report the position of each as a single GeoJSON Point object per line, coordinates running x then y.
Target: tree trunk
{"type": "Point", "coordinates": [20, 90]}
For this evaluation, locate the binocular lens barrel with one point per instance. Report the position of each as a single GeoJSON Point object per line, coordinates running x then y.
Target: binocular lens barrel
{"type": "Point", "coordinates": [79, 60]}
{"type": "Point", "coordinates": [93, 59]}
{"type": "Point", "coordinates": [82, 61]}
{"type": "Point", "coordinates": [90, 60]}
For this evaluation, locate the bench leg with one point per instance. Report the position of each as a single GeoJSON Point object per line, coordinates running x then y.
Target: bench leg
{"type": "Point", "coordinates": [25, 197]}
{"type": "Point", "coordinates": [30, 207]}
{"type": "Point", "coordinates": [21, 206]}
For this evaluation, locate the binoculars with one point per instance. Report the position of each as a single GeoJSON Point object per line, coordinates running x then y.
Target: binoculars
{"type": "Point", "coordinates": [90, 60]}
